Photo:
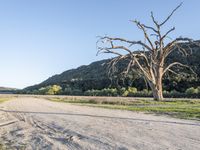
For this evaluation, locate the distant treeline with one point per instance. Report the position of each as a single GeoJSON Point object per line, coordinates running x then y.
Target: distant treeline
{"type": "Point", "coordinates": [5, 90]}
{"type": "Point", "coordinates": [125, 92]}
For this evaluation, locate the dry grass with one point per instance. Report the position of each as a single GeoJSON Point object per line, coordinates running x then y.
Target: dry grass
{"type": "Point", "coordinates": [181, 108]}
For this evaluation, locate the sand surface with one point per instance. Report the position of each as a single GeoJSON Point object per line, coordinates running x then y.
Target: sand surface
{"type": "Point", "coordinates": [34, 123]}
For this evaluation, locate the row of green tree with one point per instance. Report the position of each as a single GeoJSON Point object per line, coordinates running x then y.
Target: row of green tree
{"type": "Point", "coordinates": [126, 92]}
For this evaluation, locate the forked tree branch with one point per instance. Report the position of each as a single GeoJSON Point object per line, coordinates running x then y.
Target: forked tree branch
{"type": "Point", "coordinates": [140, 43]}
{"type": "Point", "coordinates": [173, 64]}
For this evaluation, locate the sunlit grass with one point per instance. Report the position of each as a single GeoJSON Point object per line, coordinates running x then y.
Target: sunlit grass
{"type": "Point", "coordinates": [3, 99]}
{"type": "Point", "coordinates": [186, 109]}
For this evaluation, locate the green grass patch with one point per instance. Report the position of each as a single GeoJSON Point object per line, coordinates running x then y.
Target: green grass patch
{"type": "Point", "coordinates": [3, 99]}
{"type": "Point", "coordinates": [185, 109]}
{"type": "Point", "coordinates": [175, 111]}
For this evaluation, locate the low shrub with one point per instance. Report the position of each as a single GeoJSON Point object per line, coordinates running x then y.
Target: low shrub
{"type": "Point", "coordinates": [192, 90]}
{"type": "Point", "coordinates": [103, 92]}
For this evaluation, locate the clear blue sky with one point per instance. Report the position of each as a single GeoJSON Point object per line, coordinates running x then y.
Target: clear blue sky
{"type": "Point", "coordinates": [40, 38]}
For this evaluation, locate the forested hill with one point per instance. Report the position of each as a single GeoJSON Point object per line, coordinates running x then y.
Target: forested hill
{"type": "Point", "coordinates": [94, 76]}
{"type": "Point", "coordinates": [87, 74]}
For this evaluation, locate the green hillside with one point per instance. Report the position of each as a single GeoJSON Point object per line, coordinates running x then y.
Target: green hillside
{"type": "Point", "coordinates": [94, 76]}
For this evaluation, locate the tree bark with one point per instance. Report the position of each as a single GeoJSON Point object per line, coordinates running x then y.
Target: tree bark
{"type": "Point", "coordinates": [158, 95]}
{"type": "Point", "coordinates": [156, 85]}
{"type": "Point", "coordinates": [157, 91]}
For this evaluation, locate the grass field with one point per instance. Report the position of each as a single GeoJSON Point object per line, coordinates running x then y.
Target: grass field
{"type": "Point", "coordinates": [179, 108]}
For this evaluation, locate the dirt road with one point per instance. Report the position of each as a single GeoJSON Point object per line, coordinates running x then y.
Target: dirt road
{"type": "Point", "coordinates": [33, 123]}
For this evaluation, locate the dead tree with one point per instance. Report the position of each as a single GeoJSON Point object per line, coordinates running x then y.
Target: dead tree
{"type": "Point", "coordinates": [150, 60]}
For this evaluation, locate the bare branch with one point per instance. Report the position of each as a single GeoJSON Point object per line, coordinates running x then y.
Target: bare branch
{"type": "Point", "coordinates": [145, 72]}
{"type": "Point", "coordinates": [182, 50]}
{"type": "Point", "coordinates": [127, 41]}
{"type": "Point", "coordinates": [170, 14]}
{"type": "Point", "coordinates": [141, 26]}
{"type": "Point", "coordinates": [172, 29]}
{"type": "Point", "coordinates": [172, 45]}
{"type": "Point", "coordinates": [148, 27]}
{"type": "Point", "coordinates": [120, 47]}
{"type": "Point", "coordinates": [107, 50]}
{"type": "Point", "coordinates": [154, 21]}
{"type": "Point", "coordinates": [131, 63]}
{"type": "Point", "coordinates": [145, 26]}
{"type": "Point", "coordinates": [173, 64]}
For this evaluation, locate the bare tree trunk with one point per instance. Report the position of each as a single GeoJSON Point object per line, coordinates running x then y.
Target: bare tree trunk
{"type": "Point", "coordinates": [157, 94]}
{"type": "Point", "coordinates": [157, 91]}
{"type": "Point", "coordinates": [156, 85]}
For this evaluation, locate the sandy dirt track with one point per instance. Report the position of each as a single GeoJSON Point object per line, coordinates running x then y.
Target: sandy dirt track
{"type": "Point", "coordinates": [33, 123]}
